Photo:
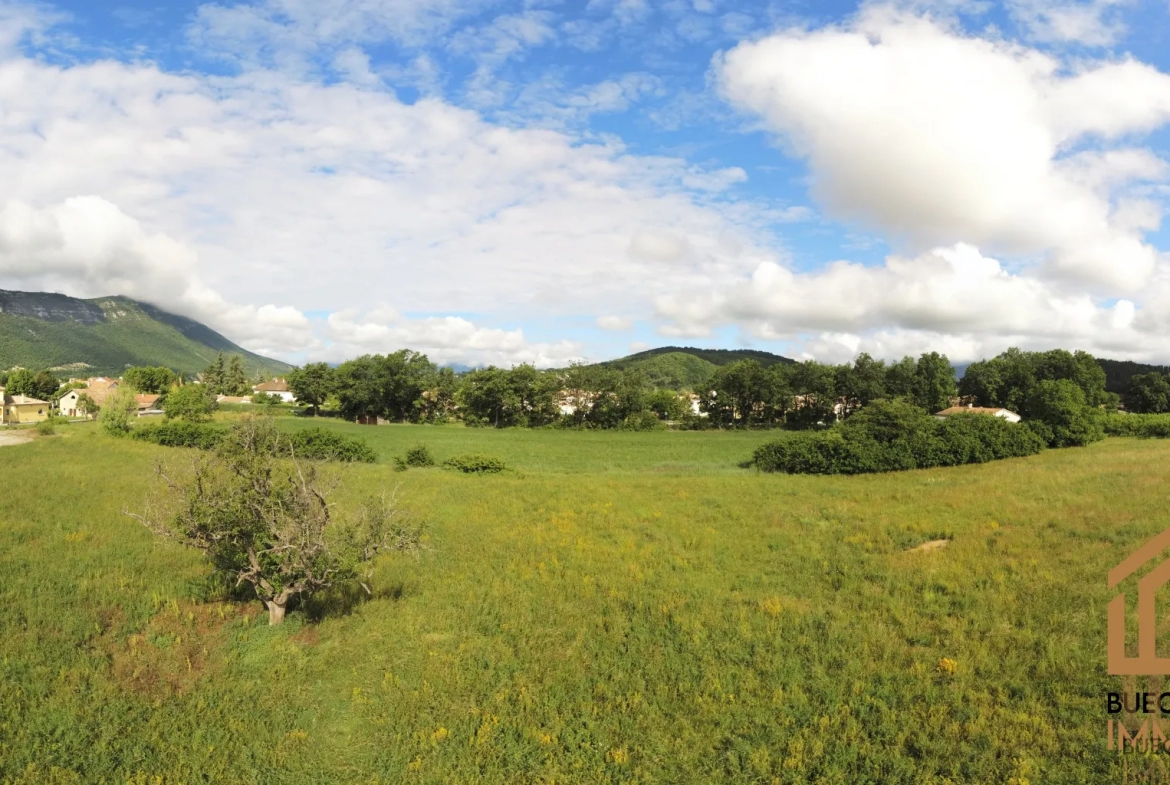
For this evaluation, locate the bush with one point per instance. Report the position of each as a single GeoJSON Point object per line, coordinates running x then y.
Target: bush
{"type": "Point", "coordinates": [46, 428]}
{"type": "Point", "coordinates": [1061, 406]}
{"type": "Point", "coordinates": [117, 411]}
{"type": "Point", "coordinates": [643, 421]}
{"type": "Point", "coordinates": [180, 433]}
{"type": "Point", "coordinates": [475, 463]}
{"type": "Point", "coordinates": [893, 436]}
{"type": "Point", "coordinates": [191, 402]}
{"type": "Point", "coordinates": [323, 445]}
{"type": "Point", "coordinates": [417, 456]}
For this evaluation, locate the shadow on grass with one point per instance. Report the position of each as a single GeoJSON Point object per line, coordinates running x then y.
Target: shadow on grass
{"type": "Point", "coordinates": [340, 600]}
{"type": "Point", "coordinates": [345, 599]}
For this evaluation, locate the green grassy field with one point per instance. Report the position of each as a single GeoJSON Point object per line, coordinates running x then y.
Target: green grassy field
{"type": "Point", "coordinates": [621, 608]}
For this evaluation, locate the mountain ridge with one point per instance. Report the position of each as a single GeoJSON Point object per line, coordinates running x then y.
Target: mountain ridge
{"type": "Point", "coordinates": [105, 335]}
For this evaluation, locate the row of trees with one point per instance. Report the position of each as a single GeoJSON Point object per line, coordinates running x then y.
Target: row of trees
{"type": "Point", "coordinates": [407, 387]}
{"type": "Point", "coordinates": [810, 393]}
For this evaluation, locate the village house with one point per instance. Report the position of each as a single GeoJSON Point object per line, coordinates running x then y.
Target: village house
{"type": "Point", "coordinates": [147, 404]}
{"type": "Point", "coordinates": [98, 388]}
{"type": "Point", "coordinates": [69, 404]}
{"type": "Point", "coordinates": [277, 387]}
{"type": "Point", "coordinates": [233, 399]}
{"type": "Point", "coordinates": [22, 409]}
{"type": "Point", "coordinates": [1003, 414]}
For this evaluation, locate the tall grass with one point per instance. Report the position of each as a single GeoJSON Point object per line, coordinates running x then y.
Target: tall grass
{"type": "Point", "coordinates": [584, 620]}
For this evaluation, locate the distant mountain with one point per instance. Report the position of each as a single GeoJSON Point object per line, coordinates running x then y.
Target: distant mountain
{"type": "Point", "coordinates": [106, 335]}
{"type": "Point", "coordinates": [685, 367]}
{"type": "Point", "coordinates": [1119, 372]}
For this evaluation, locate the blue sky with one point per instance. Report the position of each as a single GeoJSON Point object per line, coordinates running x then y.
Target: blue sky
{"type": "Point", "coordinates": [503, 182]}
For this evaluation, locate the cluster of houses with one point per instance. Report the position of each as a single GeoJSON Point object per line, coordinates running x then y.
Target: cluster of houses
{"type": "Point", "coordinates": [277, 388]}
{"type": "Point", "coordinates": [21, 409]}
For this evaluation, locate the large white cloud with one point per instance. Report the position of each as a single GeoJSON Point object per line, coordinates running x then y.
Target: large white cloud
{"type": "Point", "coordinates": [273, 189]}
{"type": "Point", "coordinates": [934, 137]}
{"type": "Point", "coordinates": [947, 299]}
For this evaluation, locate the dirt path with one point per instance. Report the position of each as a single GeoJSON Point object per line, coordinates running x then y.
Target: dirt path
{"type": "Point", "coordinates": [9, 438]}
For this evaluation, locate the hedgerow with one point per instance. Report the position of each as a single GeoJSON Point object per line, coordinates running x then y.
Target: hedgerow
{"type": "Point", "coordinates": [1150, 426]}
{"type": "Point", "coordinates": [180, 433]}
{"type": "Point", "coordinates": [894, 436]}
{"type": "Point", "coordinates": [311, 443]}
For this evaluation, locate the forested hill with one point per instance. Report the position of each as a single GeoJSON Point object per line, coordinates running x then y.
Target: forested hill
{"type": "Point", "coordinates": [1119, 372]}
{"type": "Point", "coordinates": [713, 356]}
{"type": "Point", "coordinates": [105, 335]}
{"type": "Point", "coordinates": [685, 367]}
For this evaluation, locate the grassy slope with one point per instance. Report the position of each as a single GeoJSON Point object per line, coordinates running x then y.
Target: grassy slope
{"type": "Point", "coordinates": [585, 620]}
{"type": "Point", "coordinates": [129, 336]}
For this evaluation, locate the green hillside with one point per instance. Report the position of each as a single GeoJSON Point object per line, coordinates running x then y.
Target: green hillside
{"type": "Point", "coordinates": [107, 334]}
{"type": "Point", "coordinates": [685, 367]}
{"type": "Point", "coordinates": [713, 356]}
{"type": "Point", "coordinates": [672, 371]}
{"type": "Point", "coordinates": [1119, 372]}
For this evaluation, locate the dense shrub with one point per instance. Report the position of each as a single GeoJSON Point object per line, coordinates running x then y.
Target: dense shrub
{"type": "Point", "coordinates": [475, 463]}
{"type": "Point", "coordinates": [180, 433]}
{"type": "Point", "coordinates": [892, 436]}
{"type": "Point", "coordinates": [192, 402]}
{"type": "Point", "coordinates": [1150, 426]}
{"type": "Point", "coordinates": [322, 445]}
{"type": "Point", "coordinates": [1061, 406]}
{"type": "Point", "coordinates": [46, 428]}
{"type": "Point", "coordinates": [417, 456]}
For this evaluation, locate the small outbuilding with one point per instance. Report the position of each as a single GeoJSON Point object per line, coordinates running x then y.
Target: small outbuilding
{"type": "Point", "coordinates": [1004, 414]}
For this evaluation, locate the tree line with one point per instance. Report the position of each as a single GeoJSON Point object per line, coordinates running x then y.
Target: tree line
{"type": "Point", "coordinates": [405, 386]}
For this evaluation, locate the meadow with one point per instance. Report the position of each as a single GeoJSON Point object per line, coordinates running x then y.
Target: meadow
{"type": "Point", "coordinates": [618, 608]}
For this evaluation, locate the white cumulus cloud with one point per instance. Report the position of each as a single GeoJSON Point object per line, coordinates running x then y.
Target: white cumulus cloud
{"type": "Point", "coordinates": [934, 137]}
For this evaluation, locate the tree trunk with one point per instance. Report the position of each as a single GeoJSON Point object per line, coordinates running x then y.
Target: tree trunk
{"type": "Point", "coordinates": [276, 610]}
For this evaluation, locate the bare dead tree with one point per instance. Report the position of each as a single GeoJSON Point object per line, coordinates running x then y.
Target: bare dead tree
{"type": "Point", "coordinates": [264, 516]}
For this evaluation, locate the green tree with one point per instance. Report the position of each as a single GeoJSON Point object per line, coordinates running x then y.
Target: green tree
{"type": "Point", "coordinates": [312, 384]}
{"type": "Point", "coordinates": [235, 380]}
{"type": "Point", "coordinates": [191, 402]}
{"type": "Point", "coordinates": [21, 382]}
{"type": "Point", "coordinates": [87, 406]}
{"type": "Point", "coordinates": [1068, 421]}
{"type": "Point", "coordinates": [118, 411]}
{"type": "Point", "coordinates": [267, 522]}
{"type": "Point", "coordinates": [744, 393]}
{"type": "Point", "coordinates": [860, 384]}
{"type": "Point", "coordinates": [814, 394]}
{"type": "Point", "coordinates": [359, 389]}
{"type": "Point", "coordinates": [1149, 393]}
{"type": "Point", "coordinates": [45, 386]}
{"type": "Point", "coordinates": [668, 405]}
{"type": "Point", "coordinates": [901, 378]}
{"type": "Point", "coordinates": [982, 383]}
{"type": "Point", "coordinates": [154, 380]}
{"type": "Point", "coordinates": [934, 382]}
{"type": "Point", "coordinates": [437, 402]}
{"type": "Point", "coordinates": [213, 375]}
{"type": "Point", "coordinates": [405, 375]}
{"type": "Point", "coordinates": [389, 386]}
